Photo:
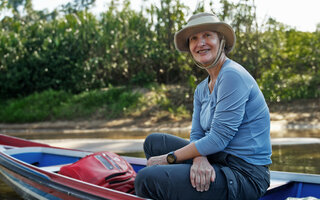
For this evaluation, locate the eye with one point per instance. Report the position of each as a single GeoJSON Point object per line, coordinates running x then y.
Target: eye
{"type": "Point", "coordinates": [193, 38]}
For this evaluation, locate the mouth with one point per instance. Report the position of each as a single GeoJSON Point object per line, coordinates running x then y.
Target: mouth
{"type": "Point", "coordinates": [203, 51]}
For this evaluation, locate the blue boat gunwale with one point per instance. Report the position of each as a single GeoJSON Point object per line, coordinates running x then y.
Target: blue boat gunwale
{"type": "Point", "coordinates": [46, 156]}
{"type": "Point", "coordinates": [49, 150]}
{"type": "Point", "coordinates": [295, 177]}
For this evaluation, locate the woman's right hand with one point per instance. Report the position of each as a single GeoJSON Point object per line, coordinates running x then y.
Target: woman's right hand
{"type": "Point", "coordinates": [201, 174]}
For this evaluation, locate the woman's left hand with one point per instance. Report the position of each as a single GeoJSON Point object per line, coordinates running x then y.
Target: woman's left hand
{"type": "Point", "coordinates": [157, 160]}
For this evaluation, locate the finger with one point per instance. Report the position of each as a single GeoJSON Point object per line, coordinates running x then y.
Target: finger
{"type": "Point", "coordinates": [207, 180]}
{"type": "Point", "coordinates": [198, 182]}
{"type": "Point", "coordinates": [192, 178]}
{"type": "Point", "coordinates": [213, 175]}
{"type": "Point", "coordinates": [203, 182]}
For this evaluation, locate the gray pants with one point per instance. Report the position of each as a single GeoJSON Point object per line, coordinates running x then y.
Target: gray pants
{"type": "Point", "coordinates": [235, 178]}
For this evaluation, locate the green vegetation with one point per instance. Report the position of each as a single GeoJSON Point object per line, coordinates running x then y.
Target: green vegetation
{"type": "Point", "coordinates": [60, 105]}
{"type": "Point", "coordinates": [115, 102]}
{"type": "Point", "coordinates": [55, 65]}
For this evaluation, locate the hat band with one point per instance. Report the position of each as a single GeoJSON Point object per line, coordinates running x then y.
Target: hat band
{"type": "Point", "coordinates": [215, 62]}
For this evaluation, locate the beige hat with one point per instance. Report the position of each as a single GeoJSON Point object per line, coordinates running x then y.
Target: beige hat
{"type": "Point", "coordinates": [204, 22]}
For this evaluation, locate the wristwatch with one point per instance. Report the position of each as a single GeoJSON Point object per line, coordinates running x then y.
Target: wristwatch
{"type": "Point", "coordinates": [171, 158]}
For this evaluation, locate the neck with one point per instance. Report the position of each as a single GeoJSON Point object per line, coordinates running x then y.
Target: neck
{"type": "Point", "coordinates": [214, 72]}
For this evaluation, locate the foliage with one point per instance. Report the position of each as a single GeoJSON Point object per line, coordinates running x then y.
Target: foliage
{"type": "Point", "coordinates": [36, 107]}
{"type": "Point", "coordinates": [281, 59]}
{"type": "Point", "coordinates": [74, 51]}
{"type": "Point", "coordinates": [61, 105]}
{"type": "Point", "coordinates": [158, 102]}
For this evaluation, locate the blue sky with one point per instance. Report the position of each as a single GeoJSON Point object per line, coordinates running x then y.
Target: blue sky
{"type": "Point", "coordinates": [304, 15]}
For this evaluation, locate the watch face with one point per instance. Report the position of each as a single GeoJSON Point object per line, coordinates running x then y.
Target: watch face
{"type": "Point", "coordinates": [171, 158]}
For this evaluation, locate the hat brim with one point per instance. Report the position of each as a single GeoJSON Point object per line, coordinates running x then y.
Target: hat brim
{"type": "Point", "coordinates": [181, 37]}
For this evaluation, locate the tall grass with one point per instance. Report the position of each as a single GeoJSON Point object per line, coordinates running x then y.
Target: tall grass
{"type": "Point", "coordinates": [156, 101]}
{"type": "Point", "coordinates": [53, 105]}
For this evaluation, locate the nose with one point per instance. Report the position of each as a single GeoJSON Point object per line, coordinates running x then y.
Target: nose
{"type": "Point", "coordinates": [202, 42]}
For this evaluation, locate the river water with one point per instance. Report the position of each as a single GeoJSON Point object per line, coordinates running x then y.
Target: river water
{"type": "Point", "coordinates": [292, 155]}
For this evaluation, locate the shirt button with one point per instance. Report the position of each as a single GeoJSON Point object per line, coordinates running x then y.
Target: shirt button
{"type": "Point", "coordinates": [231, 182]}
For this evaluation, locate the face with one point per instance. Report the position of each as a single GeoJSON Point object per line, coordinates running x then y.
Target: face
{"type": "Point", "coordinates": [204, 47]}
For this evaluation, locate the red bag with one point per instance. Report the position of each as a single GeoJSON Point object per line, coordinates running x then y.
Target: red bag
{"type": "Point", "coordinates": [105, 169]}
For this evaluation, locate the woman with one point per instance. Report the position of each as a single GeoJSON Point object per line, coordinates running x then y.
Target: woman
{"type": "Point", "coordinates": [229, 150]}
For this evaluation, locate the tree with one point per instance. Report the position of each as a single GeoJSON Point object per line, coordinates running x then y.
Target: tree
{"type": "Point", "coordinates": [77, 5]}
{"type": "Point", "coordinates": [168, 19]}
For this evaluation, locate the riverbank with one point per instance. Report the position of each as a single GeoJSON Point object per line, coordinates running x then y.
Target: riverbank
{"type": "Point", "coordinates": [139, 128]}
{"type": "Point", "coordinates": [136, 145]}
{"type": "Point", "coordinates": [295, 119]}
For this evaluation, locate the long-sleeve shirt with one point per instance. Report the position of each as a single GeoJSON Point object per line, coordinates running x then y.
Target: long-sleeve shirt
{"type": "Point", "coordinates": [234, 118]}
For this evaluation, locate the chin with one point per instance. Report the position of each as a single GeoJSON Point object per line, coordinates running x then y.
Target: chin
{"type": "Point", "coordinates": [206, 63]}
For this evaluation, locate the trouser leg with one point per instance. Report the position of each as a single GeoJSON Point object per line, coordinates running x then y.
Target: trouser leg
{"type": "Point", "coordinates": [160, 143]}
{"type": "Point", "coordinates": [253, 180]}
{"type": "Point", "coordinates": [172, 182]}
{"type": "Point", "coordinates": [235, 179]}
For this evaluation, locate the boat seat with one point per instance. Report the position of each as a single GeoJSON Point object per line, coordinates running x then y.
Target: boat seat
{"type": "Point", "coordinates": [53, 168]}
{"type": "Point", "coordinates": [277, 183]}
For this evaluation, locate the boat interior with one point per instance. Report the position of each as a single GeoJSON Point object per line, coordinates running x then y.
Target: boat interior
{"type": "Point", "coordinates": [52, 159]}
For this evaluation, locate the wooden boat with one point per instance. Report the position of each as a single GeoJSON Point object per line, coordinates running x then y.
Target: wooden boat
{"type": "Point", "coordinates": [30, 168]}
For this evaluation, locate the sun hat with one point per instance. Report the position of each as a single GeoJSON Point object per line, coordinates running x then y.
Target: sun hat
{"type": "Point", "coordinates": [204, 22]}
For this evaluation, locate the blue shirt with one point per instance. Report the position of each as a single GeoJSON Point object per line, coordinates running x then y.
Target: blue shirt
{"type": "Point", "coordinates": [234, 118]}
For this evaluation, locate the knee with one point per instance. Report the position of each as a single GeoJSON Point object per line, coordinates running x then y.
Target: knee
{"type": "Point", "coordinates": [146, 181]}
{"type": "Point", "coordinates": [141, 177]}
{"type": "Point", "coordinates": [140, 183]}
{"type": "Point", "coordinates": [149, 142]}
{"type": "Point", "coordinates": [146, 174]}
{"type": "Point", "coordinates": [153, 137]}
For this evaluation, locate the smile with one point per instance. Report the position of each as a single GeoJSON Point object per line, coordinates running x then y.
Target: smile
{"type": "Point", "coordinates": [203, 51]}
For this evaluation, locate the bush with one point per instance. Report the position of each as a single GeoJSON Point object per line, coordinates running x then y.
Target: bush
{"type": "Point", "coordinates": [60, 105]}
{"type": "Point", "coordinates": [36, 107]}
